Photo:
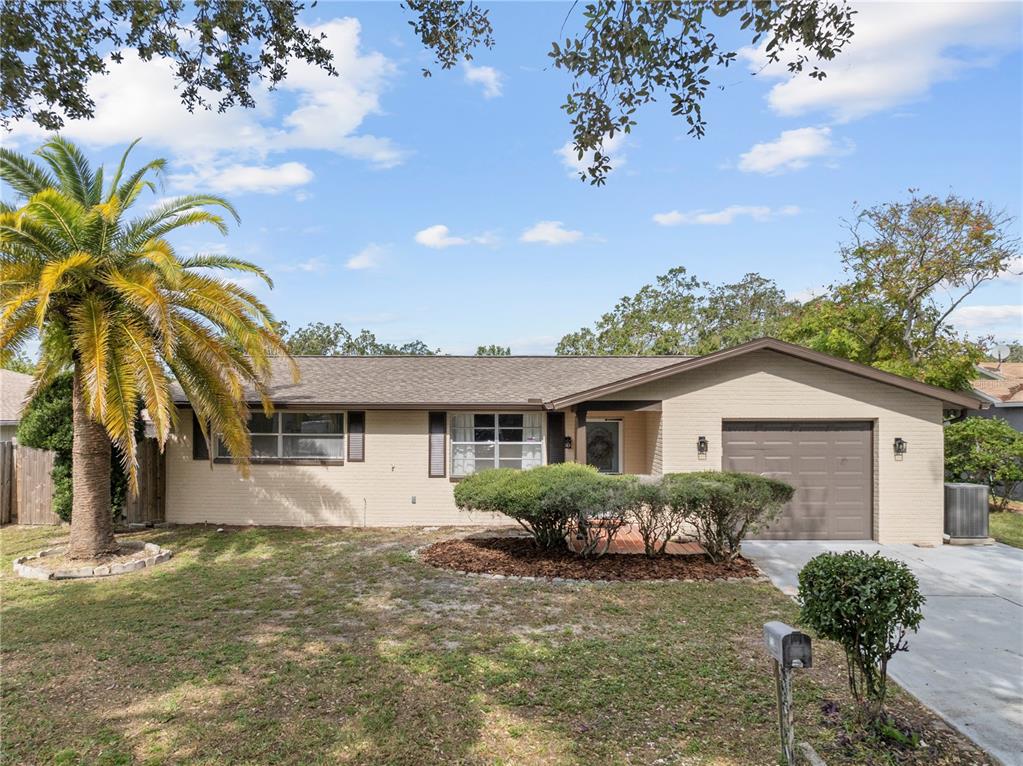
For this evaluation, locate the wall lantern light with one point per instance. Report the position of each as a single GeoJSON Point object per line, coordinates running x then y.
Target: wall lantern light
{"type": "Point", "coordinates": [900, 446]}
{"type": "Point", "coordinates": [568, 442]}
{"type": "Point", "coordinates": [702, 446]}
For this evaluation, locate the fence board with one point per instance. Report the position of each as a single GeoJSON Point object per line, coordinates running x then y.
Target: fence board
{"type": "Point", "coordinates": [147, 507]}
{"type": "Point", "coordinates": [33, 486]}
{"type": "Point", "coordinates": [6, 482]}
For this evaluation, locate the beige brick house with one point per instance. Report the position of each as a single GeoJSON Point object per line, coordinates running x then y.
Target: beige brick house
{"type": "Point", "coordinates": [380, 441]}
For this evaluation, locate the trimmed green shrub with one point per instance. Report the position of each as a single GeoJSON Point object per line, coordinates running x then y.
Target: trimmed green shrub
{"type": "Point", "coordinates": [551, 501]}
{"type": "Point", "coordinates": [866, 604]}
{"type": "Point", "coordinates": [656, 515]}
{"type": "Point", "coordinates": [985, 451]}
{"type": "Point", "coordinates": [725, 506]}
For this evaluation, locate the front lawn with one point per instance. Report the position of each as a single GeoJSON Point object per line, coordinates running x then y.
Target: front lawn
{"type": "Point", "coordinates": [313, 647]}
{"type": "Point", "coordinates": [1007, 526]}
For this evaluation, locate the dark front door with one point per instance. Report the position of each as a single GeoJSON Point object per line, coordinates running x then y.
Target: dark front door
{"type": "Point", "coordinates": [603, 445]}
{"type": "Point", "coordinates": [830, 463]}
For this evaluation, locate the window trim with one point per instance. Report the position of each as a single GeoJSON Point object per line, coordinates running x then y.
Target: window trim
{"type": "Point", "coordinates": [280, 459]}
{"type": "Point", "coordinates": [450, 441]}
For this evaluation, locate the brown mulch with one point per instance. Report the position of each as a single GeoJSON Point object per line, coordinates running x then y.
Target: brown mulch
{"type": "Point", "coordinates": [518, 556]}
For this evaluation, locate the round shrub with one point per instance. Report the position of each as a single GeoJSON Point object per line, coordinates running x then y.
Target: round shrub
{"type": "Point", "coordinates": [866, 603]}
{"type": "Point", "coordinates": [725, 506]}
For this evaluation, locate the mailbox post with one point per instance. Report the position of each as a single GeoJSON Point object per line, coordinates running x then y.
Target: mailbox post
{"type": "Point", "coordinates": [788, 649]}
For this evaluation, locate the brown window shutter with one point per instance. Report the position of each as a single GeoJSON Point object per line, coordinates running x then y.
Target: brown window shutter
{"type": "Point", "coordinates": [555, 437]}
{"type": "Point", "coordinates": [356, 437]}
{"type": "Point", "coordinates": [200, 449]}
{"type": "Point", "coordinates": [438, 432]}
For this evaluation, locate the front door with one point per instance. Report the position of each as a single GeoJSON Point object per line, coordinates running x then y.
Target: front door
{"type": "Point", "coordinates": [603, 445]}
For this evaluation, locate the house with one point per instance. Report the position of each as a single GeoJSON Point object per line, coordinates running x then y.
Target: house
{"type": "Point", "coordinates": [14, 388]}
{"type": "Point", "coordinates": [1000, 386]}
{"type": "Point", "coordinates": [382, 440]}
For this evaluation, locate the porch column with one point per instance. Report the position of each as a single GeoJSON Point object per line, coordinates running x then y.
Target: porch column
{"type": "Point", "coordinates": [580, 434]}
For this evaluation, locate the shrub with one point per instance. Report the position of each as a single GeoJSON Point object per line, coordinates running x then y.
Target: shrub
{"type": "Point", "coordinates": [46, 423]}
{"type": "Point", "coordinates": [657, 518]}
{"type": "Point", "coordinates": [866, 604]}
{"type": "Point", "coordinates": [985, 451]}
{"type": "Point", "coordinates": [725, 506]}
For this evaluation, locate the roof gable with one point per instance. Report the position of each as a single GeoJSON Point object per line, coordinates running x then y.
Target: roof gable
{"type": "Point", "coordinates": [770, 344]}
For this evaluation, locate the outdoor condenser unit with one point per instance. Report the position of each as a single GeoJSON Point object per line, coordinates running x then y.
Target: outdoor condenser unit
{"type": "Point", "coordinates": [966, 512]}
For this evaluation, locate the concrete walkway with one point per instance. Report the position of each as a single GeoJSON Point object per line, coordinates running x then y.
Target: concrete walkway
{"type": "Point", "coordinates": [966, 662]}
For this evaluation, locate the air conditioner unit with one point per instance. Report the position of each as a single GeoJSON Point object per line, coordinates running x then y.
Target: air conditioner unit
{"type": "Point", "coordinates": [966, 513]}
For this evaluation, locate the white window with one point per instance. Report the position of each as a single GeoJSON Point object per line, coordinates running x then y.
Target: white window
{"type": "Point", "coordinates": [295, 435]}
{"type": "Point", "coordinates": [482, 440]}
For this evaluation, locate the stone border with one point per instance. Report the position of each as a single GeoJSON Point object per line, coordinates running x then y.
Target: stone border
{"type": "Point", "coordinates": [156, 555]}
{"type": "Point", "coordinates": [414, 553]}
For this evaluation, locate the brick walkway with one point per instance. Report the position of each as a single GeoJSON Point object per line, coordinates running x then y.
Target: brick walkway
{"type": "Point", "coordinates": [629, 541]}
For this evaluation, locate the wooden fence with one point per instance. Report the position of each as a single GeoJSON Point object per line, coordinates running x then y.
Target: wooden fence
{"type": "Point", "coordinates": [26, 487]}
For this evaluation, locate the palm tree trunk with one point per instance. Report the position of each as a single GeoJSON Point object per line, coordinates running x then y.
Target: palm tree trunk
{"type": "Point", "coordinates": [92, 527]}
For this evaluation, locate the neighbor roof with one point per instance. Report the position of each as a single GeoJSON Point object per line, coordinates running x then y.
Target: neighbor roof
{"type": "Point", "coordinates": [13, 391]}
{"type": "Point", "coordinates": [446, 381]}
{"type": "Point", "coordinates": [528, 382]}
{"type": "Point", "coordinates": [1009, 391]}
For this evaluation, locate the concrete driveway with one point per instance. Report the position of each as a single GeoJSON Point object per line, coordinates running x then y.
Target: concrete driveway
{"type": "Point", "coordinates": [966, 662]}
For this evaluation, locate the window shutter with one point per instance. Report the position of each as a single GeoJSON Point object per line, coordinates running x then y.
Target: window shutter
{"type": "Point", "coordinates": [438, 431]}
{"type": "Point", "coordinates": [555, 437]}
{"type": "Point", "coordinates": [200, 449]}
{"type": "Point", "coordinates": [356, 437]}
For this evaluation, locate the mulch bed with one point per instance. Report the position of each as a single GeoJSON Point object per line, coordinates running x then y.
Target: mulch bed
{"type": "Point", "coordinates": [519, 557]}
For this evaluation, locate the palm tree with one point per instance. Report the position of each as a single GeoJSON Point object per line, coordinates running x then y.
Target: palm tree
{"type": "Point", "coordinates": [112, 301]}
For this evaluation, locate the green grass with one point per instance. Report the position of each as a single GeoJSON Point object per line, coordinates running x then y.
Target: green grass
{"type": "Point", "coordinates": [1007, 527]}
{"type": "Point", "coordinates": [323, 647]}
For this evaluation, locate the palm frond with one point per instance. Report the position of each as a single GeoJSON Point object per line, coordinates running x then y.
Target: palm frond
{"type": "Point", "coordinates": [136, 183]}
{"type": "Point", "coordinates": [202, 261]}
{"type": "Point", "coordinates": [50, 279]}
{"type": "Point", "coordinates": [142, 291]}
{"type": "Point", "coordinates": [23, 175]}
{"type": "Point", "coordinates": [152, 382]}
{"type": "Point", "coordinates": [91, 337]}
{"type": "Point", "coordinates": [120, 170]}
{"type": "Point", "coordinates": [71, 167]}
{"type": "Point", "coordinates": [121, 410]}
{"type": "Point", "coordinates": [57, 211]}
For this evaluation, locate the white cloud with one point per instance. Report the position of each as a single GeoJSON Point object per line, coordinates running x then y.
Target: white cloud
{"type": "Point", "coordinates": [367, 258]}
{"type": "Point", "coordinates": [550, 233]}
{"type": "Point", "coordinates": [1013, 272]}
{"type": "Point", "coordinates": [1003, 321]}
{"type": "Point", "coordinates": [486, 76]}
{"type": "Point", "coordinates": [311, 111]}
{"type": "Point", "coordinates": [439, 237]}
{"type": "Point", "coordinates": [792, 150]}
{"type": "Point", "coordinates": [310, 265]}
{"type": "Point", "coordinates": [897, 53]}
{"type": "Point", "coordinates": [244, 178]}
{"type": "Point", "coordinates": [758, 213]}
{"type": "Point", "coordinates": [612, 147]}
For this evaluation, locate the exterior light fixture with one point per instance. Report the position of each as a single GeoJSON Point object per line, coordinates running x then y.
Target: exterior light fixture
{"type": "Point", "coordinates": [900, 446]}
{"type": "Point", "coordinates": [568, 442]}
{"type": "Point", "coordinates": [702, 446]}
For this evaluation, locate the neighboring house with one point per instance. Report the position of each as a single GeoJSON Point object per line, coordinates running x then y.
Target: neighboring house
{"type": "Point", "coordinates": [380, 441]}
{"type": "Point", "coordinates": [1000, 386]}
{"type": "Point", "coordinates": [13, 392]}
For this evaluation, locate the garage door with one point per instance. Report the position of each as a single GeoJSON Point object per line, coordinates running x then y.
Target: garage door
{"type": "Point", "coordinates": [829, 463]}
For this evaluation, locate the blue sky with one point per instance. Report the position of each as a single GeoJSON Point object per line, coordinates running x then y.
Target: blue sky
{"type": "Point", "coordinates": [445, 208]}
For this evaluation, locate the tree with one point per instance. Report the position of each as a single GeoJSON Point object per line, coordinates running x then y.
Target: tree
{"type": "Point", "coordinates": [910, 265]}
{"type": "Point", "coordinates": [19, 363]}
{"type": "Point", "coordinates": [114, 304]}
{"type": "Point", "coordinates": [47, 423]}
{"type": "Point", "coordinates": [50, 51]}
{"type": "Point", "coordinates": [625, 54]}
{"type": "Point", "coordinates": [493, 350]}
{"type": "Point", "coordinates": [985, 451]}
{"type": "Point", "coordinates": [682, 315]}
{"type": "Point", "coordinates": [320, 339]}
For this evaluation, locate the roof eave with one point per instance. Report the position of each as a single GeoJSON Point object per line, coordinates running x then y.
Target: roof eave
{"type": "Point", "coordinates": [953, 398]}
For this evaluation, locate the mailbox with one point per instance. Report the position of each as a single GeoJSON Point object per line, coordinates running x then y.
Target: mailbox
{"type": "Point", "coordinates": [787, 645]}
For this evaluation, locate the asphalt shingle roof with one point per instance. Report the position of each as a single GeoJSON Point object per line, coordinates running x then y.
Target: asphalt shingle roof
{"type": "Point", "coordinates": [451, 380]}
{"type": "Point", "coordinates": [13, 390]}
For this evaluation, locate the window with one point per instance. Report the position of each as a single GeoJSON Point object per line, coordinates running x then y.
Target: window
{"type": "Point", "coordinates": [495, 440]}
{"type": "Point", "coordinates": [295, 435]}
